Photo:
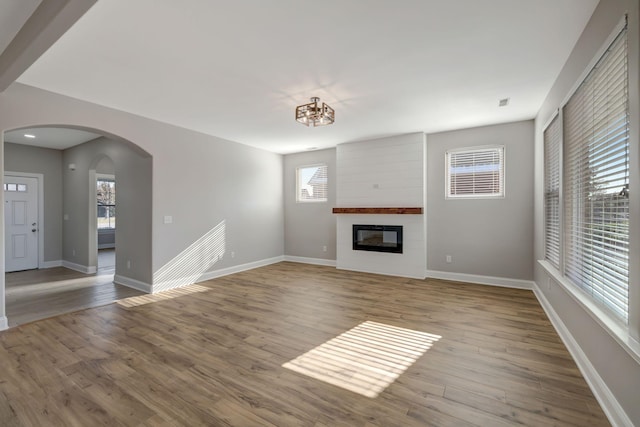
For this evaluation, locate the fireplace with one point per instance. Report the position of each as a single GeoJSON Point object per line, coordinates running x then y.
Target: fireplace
{"type": "Point", "coordinates": [377, 238]}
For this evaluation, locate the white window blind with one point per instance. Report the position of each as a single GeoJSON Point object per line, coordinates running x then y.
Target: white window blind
{"type": "Point", "coordinates": [596, 179]}
{"type": "Point", "coordinates": [475, 172]}
{"type": "Point", "coordinates": [311, 183]}
{"type": "Point", "coordinates": [552, 140]}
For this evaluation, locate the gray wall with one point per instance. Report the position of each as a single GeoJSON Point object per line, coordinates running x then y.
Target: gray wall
{"type": "Point", "coordinates": [487, 237]}
{"type": "Point", "coordinates": [217, 183]}
{"type": "Point", "coordinates": [309, 226]}
{"type": "Point", "coordinates": [106, 166]}
{"type": "Point", "coordinates": [133, 172]}
{"type": "Point", "coordinates": [199, 180]}
{"type": "Point", "coordinates": [617, 369]}
{"type": "Point", "coordinates": [48, 162]}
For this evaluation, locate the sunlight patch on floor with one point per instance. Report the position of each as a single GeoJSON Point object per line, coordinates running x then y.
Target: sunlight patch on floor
{"type": "Point", "coordinates": [365, 359]}
{"type": "Point", "coordinates": [55, 286]}
{"type": "Point", "coordinates": [161, 296]}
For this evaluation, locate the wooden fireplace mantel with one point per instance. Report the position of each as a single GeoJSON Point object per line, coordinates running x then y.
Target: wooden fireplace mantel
{"type": "Point", "coordinates": [387, 211]}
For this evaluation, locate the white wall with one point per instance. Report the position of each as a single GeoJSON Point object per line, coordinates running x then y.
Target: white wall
{"type": "Point", "coordinates": [410, 263]}
{"type": "Point", "coordinates": [611, 368]}
{"type": "Point", "coordinates": [387, 172]}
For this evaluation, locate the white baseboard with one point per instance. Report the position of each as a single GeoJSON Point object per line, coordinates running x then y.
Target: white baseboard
{"type": "Point", "coordinates": [4, 323]}
{"type": "Point", "coordinates": [481, 280]}
{"type": "Point", "coordinates": [132, 283]}
{"type": "Point", "coordinates": [51, 264]}
{"type": "Point", "coordinates": [315, 261]}
{"type": "Point", "coordinates": [81, 268]}
{"type": "Point", "coordinates": [189, 280]}
{"type": "Point", "coordinates": [238, 268]}
{"type": "Point", "coordinates": [616, 415]}
{"type": "Point", "coordinates": [382, 273]}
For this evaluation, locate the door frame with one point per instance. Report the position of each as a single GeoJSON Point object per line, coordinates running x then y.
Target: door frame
{"type": "Point", "coordinates": [40, 178]}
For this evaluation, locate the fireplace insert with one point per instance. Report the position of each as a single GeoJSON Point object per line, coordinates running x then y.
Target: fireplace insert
{"type": "Point", "coordinates": [378, 238]}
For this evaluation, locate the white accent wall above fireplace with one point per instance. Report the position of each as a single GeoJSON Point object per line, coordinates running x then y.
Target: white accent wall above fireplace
{"type": "Point", "coordinates": [387, 172]}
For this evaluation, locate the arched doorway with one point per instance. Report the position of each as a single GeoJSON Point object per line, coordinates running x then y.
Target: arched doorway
{"type": "Point", "coordinates": [69, 227]}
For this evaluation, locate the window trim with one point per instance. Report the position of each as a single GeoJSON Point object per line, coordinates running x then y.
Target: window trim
{"type": "Point", "coordinates": [297, 184]}
{"type": "Point", "coordinates": [557, 115]}
{"type": "Point", "coordinates": [476, 196]}
{"type": "Point", "coordinates": [613, 326]}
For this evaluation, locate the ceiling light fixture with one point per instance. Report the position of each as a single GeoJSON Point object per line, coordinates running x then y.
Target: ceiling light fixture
{"type": "Point", "coordinates": [314, 114]}
{"type": "Point", "coordinates": [28, 135]}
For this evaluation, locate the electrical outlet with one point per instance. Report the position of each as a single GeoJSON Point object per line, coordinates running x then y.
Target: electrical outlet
{"type": "Point", "coordinates": [128, 264]}
{"type": "Point", "coordinates": [233, 254]}
{"type": "Point", "coordinates": [73, 252]}
{"type": "Point", "coordinates": [324, 249]}
{"type": "Point", "coordinates": [449, 259]}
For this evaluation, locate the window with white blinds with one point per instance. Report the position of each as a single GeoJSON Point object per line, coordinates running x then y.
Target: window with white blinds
{"type": "Point", "coordinates": [552, 139]}
{"type": "Point", "coordinates": [311, 183]}
{"type": "Point", "coordinates": [475, 172]}
{"type": "Point", "coordinates": [596, 182]}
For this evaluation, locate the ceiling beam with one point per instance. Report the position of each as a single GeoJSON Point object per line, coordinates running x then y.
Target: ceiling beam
{"type": "Point", "coordinates": [50, 20]}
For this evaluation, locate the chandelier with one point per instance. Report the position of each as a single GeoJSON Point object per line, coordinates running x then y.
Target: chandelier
{"type": "Point", "coordinates": [314, 114]}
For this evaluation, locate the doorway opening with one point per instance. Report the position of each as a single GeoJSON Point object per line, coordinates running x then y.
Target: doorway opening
{"type": "Point", "coordinates": [106, 223]}
{"type": "Point", "coordinates": [72, 269]}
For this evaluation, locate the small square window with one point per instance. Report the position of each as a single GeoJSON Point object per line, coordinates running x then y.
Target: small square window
{"type": "Point", "coordinates": [22, 188]}
{"type": "Point", "coordinates": [12, 187]}
{"type": "Point", "coordinates": [475, 172]}
{"type": "Point", "coordinates": [311, 183]}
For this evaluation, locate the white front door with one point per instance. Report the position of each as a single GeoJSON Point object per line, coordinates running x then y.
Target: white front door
{"type": "Point", "coordinates": [20, 223]}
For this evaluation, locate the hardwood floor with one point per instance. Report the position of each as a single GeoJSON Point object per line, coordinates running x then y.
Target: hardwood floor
{"type": "Point", "coordinates": [213, 354]}
{"type": "Point", "coordinates": [106, 261]}
{"type": "Point", "coordinates": [37, 294]}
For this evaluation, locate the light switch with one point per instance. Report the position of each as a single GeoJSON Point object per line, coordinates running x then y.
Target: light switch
{"type": "Point", "coordinates": [168, 219]}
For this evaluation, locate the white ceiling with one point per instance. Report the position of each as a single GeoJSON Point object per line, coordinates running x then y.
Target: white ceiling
{"type": "Point", "coordinates": [236, 69]}
{"type": "Point", "coordinates": [49, 137]}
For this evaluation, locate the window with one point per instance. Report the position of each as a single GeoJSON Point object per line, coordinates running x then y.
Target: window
{"type": "Point", "coordinates": [22, 188]}
{"type": "Point", "coordinates": [552, 141]}
{"type": "Point", "coordinates": [475, 172]}
{"type": "Point", "coordinates": [311, 183]}
{"type": "Point", "coordinates": [106, 194]}
{"type": "Point", "coordinates": [596, 182]}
